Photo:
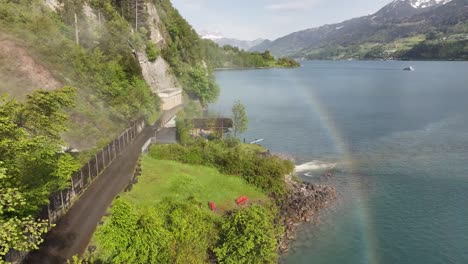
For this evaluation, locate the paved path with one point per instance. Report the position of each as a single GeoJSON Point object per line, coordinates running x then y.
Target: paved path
{"type": "Point", "coordinates": [72, 233]}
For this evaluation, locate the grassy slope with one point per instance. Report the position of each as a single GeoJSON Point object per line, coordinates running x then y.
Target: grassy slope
{"type": "Point", "coordinates": [168, 179]}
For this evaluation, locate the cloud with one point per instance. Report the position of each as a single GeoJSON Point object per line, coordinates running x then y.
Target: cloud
{"type": "Point", "coordinates": [291, 6]}
{"type": "Point", "coordinates": [195, 5]}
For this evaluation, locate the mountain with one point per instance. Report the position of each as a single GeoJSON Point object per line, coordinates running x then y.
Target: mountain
{"type": "Point", "coordinates": [394, 29]}
{"type": "Point", "coordinates": [219, 39]}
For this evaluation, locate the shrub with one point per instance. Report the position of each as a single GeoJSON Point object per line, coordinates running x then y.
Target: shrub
{"type": "Point", "coordinates": [168, 233]}
{"type": "Point", "coordinates": [249, 236]}
{"type": "Point", "coordinates": [151, 51]}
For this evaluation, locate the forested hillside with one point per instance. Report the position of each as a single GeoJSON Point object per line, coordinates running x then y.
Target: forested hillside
{"type": "Point", "coordinates": [390, 33]}
{"type": "Point", "coordinates": [71, 77]}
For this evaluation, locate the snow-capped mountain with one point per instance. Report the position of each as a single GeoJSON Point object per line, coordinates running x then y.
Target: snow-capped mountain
{"type": "Point", "coordinates": [426, 3]}
{"type": "Point", "coordinates": [398, 19]}
{"type": "Point", "coordinates": [211, 35]}
{"type": "Point", "coordinates": [219, 39]}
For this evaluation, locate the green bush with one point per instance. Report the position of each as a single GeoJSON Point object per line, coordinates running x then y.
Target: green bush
{"type": "Point", "coordinates": [151, 51]}
{"type": "Point", "coordinates": [249, 235]}
{"type": "Point", "coordinates": [171, 232]}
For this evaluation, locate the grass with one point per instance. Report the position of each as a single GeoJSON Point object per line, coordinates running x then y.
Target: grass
{"type": "Point", "coordinates": [168, 179]}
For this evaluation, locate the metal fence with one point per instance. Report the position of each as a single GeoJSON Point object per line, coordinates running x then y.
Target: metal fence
{"type": "Point", "coordinates": [62, 200]}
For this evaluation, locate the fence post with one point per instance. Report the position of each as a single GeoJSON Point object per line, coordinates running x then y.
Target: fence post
{"type": "Point", "coordinates": [103, 159]}
{"type": "Point", "coordinates": [63, 205]}
{"type": "Point", "coordinates": [113, 148]}
{"type": "Point", "coordinates": [72, 185]}
{"type": "Point", "coordinates": [97, 166]}
{"type": "Point", "coordinates": [82, 181]}
{"type": "Point", "coordinates": [109, 153]}
{"type": "Point", "coordinates": [48, 214]}
{"type": "Point", "coordinates": [89, 169]}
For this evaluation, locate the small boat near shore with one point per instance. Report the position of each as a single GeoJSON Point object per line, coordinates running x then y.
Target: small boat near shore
{"type": "Point", "coordinates": [410, 68]}
{"type": "Point", "coordinates": [257, 141]}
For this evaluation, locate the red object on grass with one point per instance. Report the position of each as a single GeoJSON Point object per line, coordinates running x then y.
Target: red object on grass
{"type": "Point", "coordinates": [241, 200]}
{"type": "Point", "coordinates": [212, 206]}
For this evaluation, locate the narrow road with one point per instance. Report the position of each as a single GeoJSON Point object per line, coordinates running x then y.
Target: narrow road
{"type": "Point", "coordinates": [73, 232]}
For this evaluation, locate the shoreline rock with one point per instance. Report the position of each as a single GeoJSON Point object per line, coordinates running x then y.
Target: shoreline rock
{"type": "Point", "coordinates": [301, 204]}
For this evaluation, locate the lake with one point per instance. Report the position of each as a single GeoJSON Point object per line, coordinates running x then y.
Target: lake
{"type": "Point", "coordinates": [396, 142]}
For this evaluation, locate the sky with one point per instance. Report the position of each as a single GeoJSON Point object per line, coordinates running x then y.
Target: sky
{"type": "Point", "coordinates": [270, 19]}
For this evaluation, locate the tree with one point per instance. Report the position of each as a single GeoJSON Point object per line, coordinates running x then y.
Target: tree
{"type": "Point", "coordinates": [240, 120]}
{"type": "Point", "coordinates": [30, 146]}
{"type": "Point", "coordinates": [249, 236]}
{"type": "Point", "coordinates": [42, 113]}
{"type": "Point", "coordinates": [16, 232]}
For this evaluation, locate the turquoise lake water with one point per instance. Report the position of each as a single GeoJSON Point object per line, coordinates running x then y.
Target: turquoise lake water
{"type": "Point", "coordinates": [396, 141]}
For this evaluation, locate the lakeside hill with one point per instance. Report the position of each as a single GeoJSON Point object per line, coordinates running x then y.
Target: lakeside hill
{"type": "Point", "coordinates": [73, 76]}
{"type": "Point", "coordinates": [403, 29]}
{"type": "Point", "coordinates": [118, 54]}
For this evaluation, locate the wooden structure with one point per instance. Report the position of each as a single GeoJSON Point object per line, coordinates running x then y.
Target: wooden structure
{"type": "Point", "coordinates": [208, 126]}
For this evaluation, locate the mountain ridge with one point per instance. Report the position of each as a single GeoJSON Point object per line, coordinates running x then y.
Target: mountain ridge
{"type": "Point", "coordinates": [396, 21]}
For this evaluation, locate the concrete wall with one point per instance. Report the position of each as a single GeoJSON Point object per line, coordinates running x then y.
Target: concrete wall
{"type": "Point", "coordinates": [171, 101]}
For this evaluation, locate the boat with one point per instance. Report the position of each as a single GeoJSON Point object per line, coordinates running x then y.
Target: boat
{"type": "Point", "coordinates": [257, 141]}
{"type": "Point", "coordinates": [410, 68]}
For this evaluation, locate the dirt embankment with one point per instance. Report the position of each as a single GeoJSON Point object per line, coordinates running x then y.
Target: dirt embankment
{"type": "Point", "coordinates": [20, 72]}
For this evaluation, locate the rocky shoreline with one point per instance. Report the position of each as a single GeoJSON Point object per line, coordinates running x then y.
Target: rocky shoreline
{"type": "Point", "coordinates": [302, 203]}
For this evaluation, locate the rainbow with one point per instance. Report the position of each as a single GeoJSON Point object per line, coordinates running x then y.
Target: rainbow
{"type": "Point", "coordinates": [362, 213]}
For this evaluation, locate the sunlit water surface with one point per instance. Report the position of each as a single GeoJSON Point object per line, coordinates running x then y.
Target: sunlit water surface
{"type": "Point", "coordinates": [396, 141]}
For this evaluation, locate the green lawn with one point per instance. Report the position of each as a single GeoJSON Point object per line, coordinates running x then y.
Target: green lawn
{"type": "Point", "coordinates": [168, 179]}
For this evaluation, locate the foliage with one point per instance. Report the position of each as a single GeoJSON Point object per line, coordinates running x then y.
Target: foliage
{"type": "Point", "coordinates": [31, 153]}
{"type": "Point", "coordinates": [42, 115]}
{"type": "Point", "coordinates": [249, 235]}
{"type": "Point", "coordinates": [230, 157]}
{"type": "Point", "coordinates": [439, 50]}
{"type": "Point", "coordinates": [202, 85]}
{"type": "Point", "coordinates": [151, 51]}
{"type": "Point", "coordinates": [171, 232]}
{"type": "Point", "coordinates": [16, 231]}
{"type": "Point", "coordinates": [288, 63]}
{"type": "Point", "coordinates": [232, 57]}
{"type": "Point", "coordinates": [76, 260]}
{"type": "Point", "coordinates": [239, 117]}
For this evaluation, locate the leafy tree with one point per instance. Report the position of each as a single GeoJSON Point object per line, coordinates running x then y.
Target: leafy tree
{"type": "Point", "coordinates": [240, 119]}
{"type": "Point", "coordinates": [16, 232]}
{"type": "Point", "coordinates": [30, 145]}
{"type": "Point", "coordinates": [249, 236]}
{"type": "Point", "coordinates": [42, 113]}
{"type": "Point", "coordinates": [202, 86]}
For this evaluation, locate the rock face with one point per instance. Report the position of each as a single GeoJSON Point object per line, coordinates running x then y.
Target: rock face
{"type": "Point", "coordinates": [302, 204]}
{"type": "Point", "coordinates": [157, 74]}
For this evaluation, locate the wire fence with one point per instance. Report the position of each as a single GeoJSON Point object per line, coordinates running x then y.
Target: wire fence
{"type": "Point", "coordinates": [61, 201]}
